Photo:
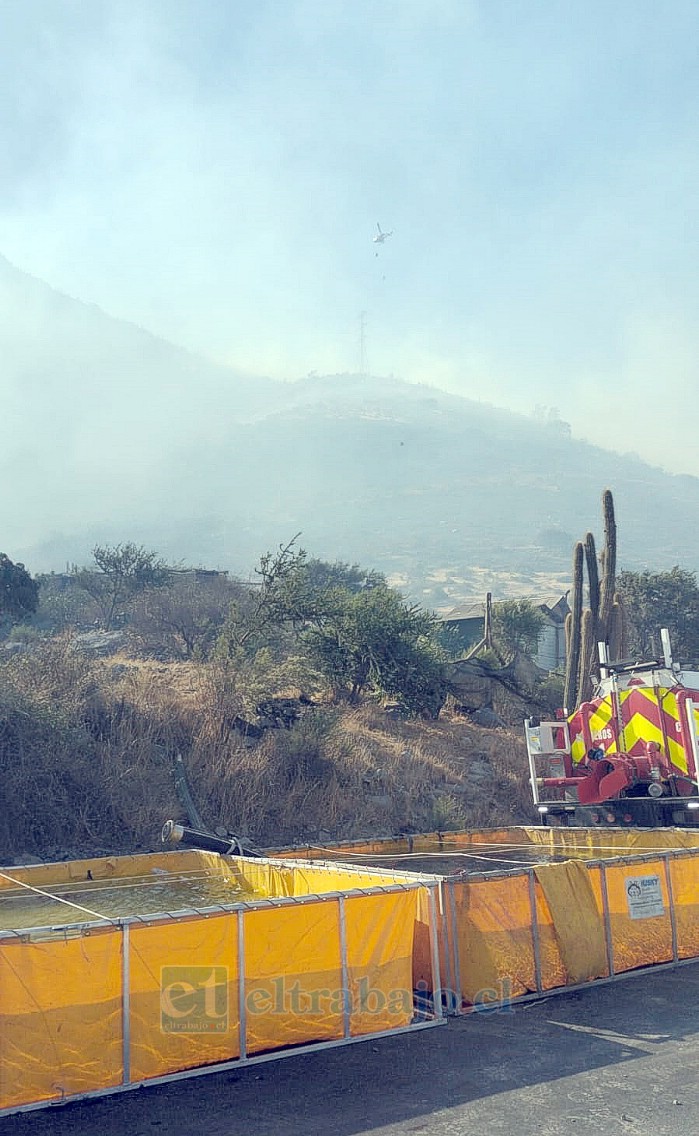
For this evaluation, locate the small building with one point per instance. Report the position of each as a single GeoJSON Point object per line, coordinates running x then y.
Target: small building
{"type": "Point", "coordinates": [197, 575]}
{"type": "Point", "coordinates": [467, 624]}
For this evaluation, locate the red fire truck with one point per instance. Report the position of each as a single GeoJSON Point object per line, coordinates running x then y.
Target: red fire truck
{"type": "Point", "coordinates": [630, 756]}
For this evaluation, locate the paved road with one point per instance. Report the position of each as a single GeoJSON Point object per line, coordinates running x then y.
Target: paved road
{"type": "Point", "coordinates": [622, 1058]}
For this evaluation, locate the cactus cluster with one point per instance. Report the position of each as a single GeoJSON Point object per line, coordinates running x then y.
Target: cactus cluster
{"type": "Point", "coordinates": [602, 621]}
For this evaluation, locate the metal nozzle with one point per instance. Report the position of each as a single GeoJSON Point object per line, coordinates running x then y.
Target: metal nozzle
{"type": "Point", "coordinates": [172, 833]}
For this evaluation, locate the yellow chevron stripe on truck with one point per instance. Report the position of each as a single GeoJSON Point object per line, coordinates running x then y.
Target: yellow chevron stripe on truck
{"type": "Point", "coordinates": [600, 730]}
{"type": "Point", "coordinates": [648, 715]}
{"type": "Point", "coordinates": [656, 718]}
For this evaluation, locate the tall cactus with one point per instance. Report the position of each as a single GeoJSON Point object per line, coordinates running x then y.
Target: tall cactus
{"type": "Point", "coordinates": [592, 575]}
{"type": "Point", "coordinates": [573, 654]}
{"type": "Point", "coordinates": [618, 628]}
{"type": "Point", "coordinates": [603, 620]}
{"type": "Point", "coordinates": [587, 651]}
{"type": "Point", "coordinates": [608, 567]}
{"type": "Point", "coordinates": [589, 634]}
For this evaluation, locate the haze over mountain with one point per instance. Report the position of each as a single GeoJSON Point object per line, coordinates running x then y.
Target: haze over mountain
{"type": "Point", "coordinates": [110, 434]}
{"type": "Point", "coordinates": [215, 172]}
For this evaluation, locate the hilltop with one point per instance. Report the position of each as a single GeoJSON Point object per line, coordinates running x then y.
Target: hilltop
{"type": "Point", "coordinates": [110, 433]}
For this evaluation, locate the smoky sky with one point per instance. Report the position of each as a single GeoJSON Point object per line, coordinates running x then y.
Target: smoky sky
{"type": "Point", "coordinates": [215, 172]}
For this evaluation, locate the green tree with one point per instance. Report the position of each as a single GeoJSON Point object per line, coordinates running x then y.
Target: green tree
{"type": "Point", "coordinates": [517, 626]}
{"type": "Point", "coordinates": [121, 572]}
{"type": "Point", "coordinates": [358, 633]}
{"type": "Point", "coordinates": [322, 574]}
{"type": "Point", "coordinates": [63, 604]}
{"type": "Point", "coordinates": [290, 593]}
{"type": "Point", "coordinates": [280, 599]}
{"type": "Point", "coordinates": [373, 641]}
{"type": "Point", "coordinates": [653, 600]}
{"type": "Point", "coordinates": [183, 619]}
{"type": "Point", "coordinates": [19, 594]}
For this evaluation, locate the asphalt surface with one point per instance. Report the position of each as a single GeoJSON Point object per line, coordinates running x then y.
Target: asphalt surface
{"type": "Point", "coordinates": [617, 1058]}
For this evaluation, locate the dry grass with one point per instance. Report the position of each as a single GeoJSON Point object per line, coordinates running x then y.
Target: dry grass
{"type": "Point", "coordinates": [86, 752]}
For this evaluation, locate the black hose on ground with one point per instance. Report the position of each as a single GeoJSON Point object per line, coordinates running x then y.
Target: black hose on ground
{"type": "Point", "coordinates": [185, 794]}
{"type": "Point", "coordinates": [174, 833]}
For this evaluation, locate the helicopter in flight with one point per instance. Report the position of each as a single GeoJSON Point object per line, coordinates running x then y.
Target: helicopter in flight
{"type": "Point", "coordinates": [381, 236]}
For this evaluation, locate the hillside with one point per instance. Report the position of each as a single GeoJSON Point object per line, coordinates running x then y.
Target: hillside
{"type": "Point", "coordinates": [111, 434]}
{"type": "Point", "coordinates": [87, 749]}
